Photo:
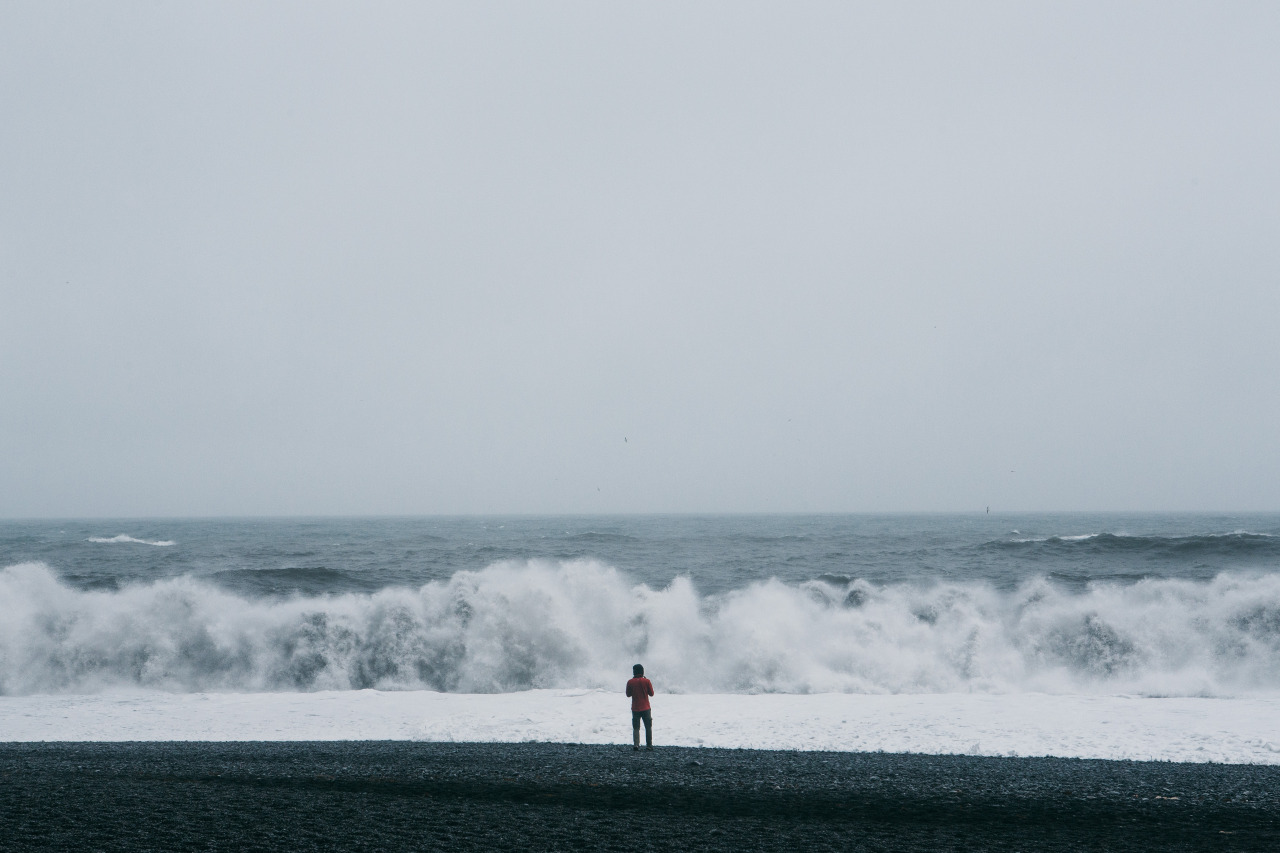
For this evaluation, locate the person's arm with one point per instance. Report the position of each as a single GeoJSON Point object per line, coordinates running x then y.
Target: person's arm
{"type": "Point", "coordinates": [628, 688]}
{"type": "Point", "coordinates": [649, 685]}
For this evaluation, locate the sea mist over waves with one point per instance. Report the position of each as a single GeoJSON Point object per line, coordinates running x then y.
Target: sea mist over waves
{"type": "Point", "coordinates": [579, 623]}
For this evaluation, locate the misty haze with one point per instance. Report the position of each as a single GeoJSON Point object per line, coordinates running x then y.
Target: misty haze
{"type": "Point", "coordinates": [276, 259]}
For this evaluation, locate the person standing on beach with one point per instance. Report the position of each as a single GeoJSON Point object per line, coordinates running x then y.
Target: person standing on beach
{"type": "Point", "coordinates": [640, 689]}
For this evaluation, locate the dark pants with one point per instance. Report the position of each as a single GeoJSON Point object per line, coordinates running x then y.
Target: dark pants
{"type": "Point", "coordinates": [647, 716]}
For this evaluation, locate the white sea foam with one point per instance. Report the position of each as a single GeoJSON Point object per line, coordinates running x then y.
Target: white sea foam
{"type": "Point", "coordinates": [163, 543]}
{"type": "Point", "coordinates": [1028, 724]}
{"type": "Point", "coordinates": [1077, 538]}
{"type": "Point", "coordinates": [517, 626]}
{"type": "Point", "coordinates": [1161, 540]}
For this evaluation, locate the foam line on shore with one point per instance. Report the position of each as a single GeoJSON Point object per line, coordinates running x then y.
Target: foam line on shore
{"type": "Point", "coordinates": [1240, 731]}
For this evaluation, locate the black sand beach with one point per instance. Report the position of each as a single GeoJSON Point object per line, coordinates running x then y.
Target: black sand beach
{"type": "Point", "coordinates": [431, 796]}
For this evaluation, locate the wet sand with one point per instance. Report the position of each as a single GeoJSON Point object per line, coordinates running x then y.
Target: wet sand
{"type": "Point", "coordinates": [441, 796]}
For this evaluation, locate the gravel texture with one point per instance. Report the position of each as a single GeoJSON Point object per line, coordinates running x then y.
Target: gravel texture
{"type": "Point", "coordinates": [534, 796]}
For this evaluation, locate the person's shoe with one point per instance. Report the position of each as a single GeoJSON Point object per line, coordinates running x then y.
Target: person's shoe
{"type": "Point", "coordinates": [649, 748]}
{"type": "Point", "coordinates": [635, 749]}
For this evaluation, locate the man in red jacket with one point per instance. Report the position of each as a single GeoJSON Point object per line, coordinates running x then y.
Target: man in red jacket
{"type": "Point", "coordinates": [640, 689]}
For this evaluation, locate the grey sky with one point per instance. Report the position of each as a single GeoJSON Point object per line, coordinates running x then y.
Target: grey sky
{"type": "Point", "coordinates": [401, 258]}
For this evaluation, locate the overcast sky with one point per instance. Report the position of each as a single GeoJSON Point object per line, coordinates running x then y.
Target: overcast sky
{"type": "Point", "coordinates": [624, 257]}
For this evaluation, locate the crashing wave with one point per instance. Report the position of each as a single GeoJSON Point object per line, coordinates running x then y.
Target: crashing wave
{"type": "Point", "coordinates": [1239, 543]}
{"type": "Point", "coordinates": [516, 626]}
{"type": "Point", "coordinates": [162, 543]}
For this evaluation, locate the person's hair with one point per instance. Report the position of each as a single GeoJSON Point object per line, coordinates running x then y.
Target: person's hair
{"type": "Point", "coordinates": [637, 670]}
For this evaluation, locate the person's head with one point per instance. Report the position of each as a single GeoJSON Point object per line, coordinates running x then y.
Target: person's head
{"type": "Point", "coordinates": [637, 670]}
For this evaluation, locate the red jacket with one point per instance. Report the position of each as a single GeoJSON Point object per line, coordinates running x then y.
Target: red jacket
{"type": "Point", "coordinates": [640, 689]}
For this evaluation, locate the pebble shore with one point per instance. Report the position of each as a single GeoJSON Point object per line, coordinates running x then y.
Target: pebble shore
{"type": "Point", "coordinates": [383, 795]}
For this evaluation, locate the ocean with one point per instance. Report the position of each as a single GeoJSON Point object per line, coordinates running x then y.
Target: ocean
{"type": "Point", "coordinates": [1147, 605]}
{"type": "Point", "coordinates": [1148, 637]}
